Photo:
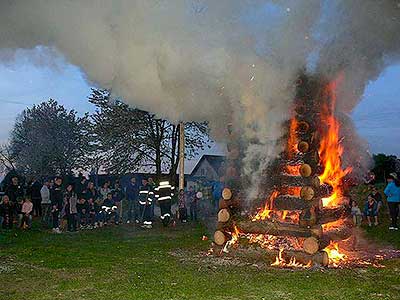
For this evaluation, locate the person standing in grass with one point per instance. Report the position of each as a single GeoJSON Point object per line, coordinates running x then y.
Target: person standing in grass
{"type": "Point", "coordinates": [56, 198]}
{"type": "Point", "coordinates": [182, 199]}
{"type": "Point", "coordinates": [46, 203]}
{"type": "Point", "coordinates": [6, 213]}
{"type": "Point", "coordinates": [118, 196]}
{"type": "Point", "coordinates": [70, 200]}
{"type": "Point", "coordinates": [370, 210]}
{"type": "Point", "coordinates": [26, 210]}
{"type": "Point", "coordinates": [132, 192]}
{"type": "Point", "coordinates": [146, 197]}
{"type": "Point", "coordinates": [392, 192]}
{"type": "Point", "coordinates": [356, 213]}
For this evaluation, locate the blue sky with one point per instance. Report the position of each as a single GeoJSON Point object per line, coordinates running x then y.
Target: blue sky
{"type": "Point", "coordinates": [24, 82]}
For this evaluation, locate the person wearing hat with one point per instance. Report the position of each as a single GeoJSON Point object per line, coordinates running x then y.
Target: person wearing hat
{"type": "Point", "coordinates": [164, 193]}
{"type": "Point", "coordinates": [392, 192]}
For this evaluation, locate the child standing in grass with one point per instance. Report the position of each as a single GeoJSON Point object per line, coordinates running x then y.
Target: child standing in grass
{"type": "Point", "coordinates": [356, 213]}
{"type": "Point", "coordinates": [26, 211]}
{"type": "Point", "coordinates": [370, 210]}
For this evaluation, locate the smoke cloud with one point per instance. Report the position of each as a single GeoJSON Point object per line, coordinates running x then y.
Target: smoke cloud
{"type": "Point", "coordinates": [221, 61]}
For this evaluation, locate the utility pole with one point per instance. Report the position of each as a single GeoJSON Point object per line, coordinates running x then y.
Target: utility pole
{"type": "Point", "coordinates": [181, 155]}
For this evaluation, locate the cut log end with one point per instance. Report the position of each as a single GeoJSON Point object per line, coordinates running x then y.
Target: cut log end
{"type": "Point", "coordinates": [220, 238]}
{"type": "Point", "coordinates": [311, 245]}
{"type": "Point", "coordinates": [224, 215]}
{"type": "Point", "coordinates": [226, 194]}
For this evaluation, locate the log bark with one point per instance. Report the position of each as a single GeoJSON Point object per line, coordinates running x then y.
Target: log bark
{"type": "Point", "coordinates": [328, 215]}
{"type": "Point", "coordinates": [224, 203]}
{"type": "Point", "coordinates": [278, 229]}
{"type": "Point", "coordinates": [224, 215]}
{"type": "Point", "coordinates": [285, 202]}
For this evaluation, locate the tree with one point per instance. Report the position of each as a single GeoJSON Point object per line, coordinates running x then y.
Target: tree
{"type": "Point", "coordinates": [7, 162]}
{"type": "Point", "coordinates": [384, 165]}
{"type": "Point", "coordinates": [133, 139]}
{"type": "Point", "coordinates": [47, 139]}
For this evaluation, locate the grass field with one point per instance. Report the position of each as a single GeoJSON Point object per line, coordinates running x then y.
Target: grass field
{"type": "Point", "coordinates": [129, 263]}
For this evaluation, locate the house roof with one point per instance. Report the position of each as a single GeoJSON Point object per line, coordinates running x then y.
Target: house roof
{"type": "Point", "coordinates": [215, 161]}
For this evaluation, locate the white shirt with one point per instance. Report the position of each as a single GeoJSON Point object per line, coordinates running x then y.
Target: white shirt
{"type": "Point", "coordinates": [45, 193]}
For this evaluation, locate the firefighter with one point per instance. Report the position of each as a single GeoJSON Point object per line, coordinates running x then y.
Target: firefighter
{"type": "Point", "coordinates": [164, 193]}
{"type": "Point", "coordinates": [146, 196]}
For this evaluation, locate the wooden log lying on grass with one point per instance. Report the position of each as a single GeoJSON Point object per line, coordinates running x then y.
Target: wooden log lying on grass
{"type": "Point", "coordinates": [278, 229]}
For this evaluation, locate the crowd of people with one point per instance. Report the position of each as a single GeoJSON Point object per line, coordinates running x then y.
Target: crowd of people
{"type": "Point", "coordinates": [80, 205]}
{"type": "Point", "coordinates": [374, 203]}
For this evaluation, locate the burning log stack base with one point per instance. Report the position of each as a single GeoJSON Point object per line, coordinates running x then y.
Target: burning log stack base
{"type": "Point", "coordinates": [294, 191]}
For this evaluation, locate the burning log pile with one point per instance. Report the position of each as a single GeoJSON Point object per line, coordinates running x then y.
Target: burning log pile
{"type": "Point", "coordinates": [303, 187]}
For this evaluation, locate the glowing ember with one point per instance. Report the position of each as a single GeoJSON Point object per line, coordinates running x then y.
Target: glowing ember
{"type": "Point", "coordinates": [335, 257]}
{"type": "Point", "coordinates": [292, 170]}
{"type": "Point", "coordinates": [336, 225]}
{"type": "Point", "coordinates": [331, 150]}
{"type": "Point", "coordinates": [292, 140]}
{"type": "Point", "coordinates": [292, 191]}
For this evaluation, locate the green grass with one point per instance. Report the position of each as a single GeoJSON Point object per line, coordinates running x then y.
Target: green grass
{"type": "Point", "coordinates": [129, 263]}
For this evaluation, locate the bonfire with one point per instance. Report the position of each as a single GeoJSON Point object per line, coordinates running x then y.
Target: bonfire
{"type": "Point", "coordinates": [304, 217]}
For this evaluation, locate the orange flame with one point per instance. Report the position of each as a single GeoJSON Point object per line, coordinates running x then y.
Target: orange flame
{"type": "Point", "coordinates": [335, 257]}
{"type": "Point", "coordinates": [265, 213]}
{"type": "Point", "coordinates": [331, 150]}
{"type": "Point", "coordinates": [293, 263]}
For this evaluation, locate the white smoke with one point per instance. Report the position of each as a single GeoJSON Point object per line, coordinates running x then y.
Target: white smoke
{"type": "Point", "coordinates": [220, 61]}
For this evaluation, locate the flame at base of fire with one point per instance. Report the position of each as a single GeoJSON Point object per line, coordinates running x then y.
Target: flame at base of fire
{"type": "Point", "coordinates": [335, 256]}
{"type": "Point", "coordinates": [281, 262]}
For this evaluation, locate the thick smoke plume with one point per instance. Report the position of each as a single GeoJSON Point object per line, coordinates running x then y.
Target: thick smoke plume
{"type": "Point", "coordinates": [221, 61]}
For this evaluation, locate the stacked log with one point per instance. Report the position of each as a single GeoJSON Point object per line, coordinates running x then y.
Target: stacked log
{"type": "Point", "coordinates": [294, 177]}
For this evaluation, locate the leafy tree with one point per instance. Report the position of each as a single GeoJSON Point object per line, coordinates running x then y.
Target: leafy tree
{"type": "Point", "coordinates": [131, 139]}
{"type": "Point", "coordinates": [384, 165]}
{"type": "Point", "coordinates": [48, 139]}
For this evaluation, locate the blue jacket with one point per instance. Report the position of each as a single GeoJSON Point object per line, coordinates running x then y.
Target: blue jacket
{"type": "Point", "coordinates": [392, 192]}
{"type": "Point", "coordinates": [217, 190]}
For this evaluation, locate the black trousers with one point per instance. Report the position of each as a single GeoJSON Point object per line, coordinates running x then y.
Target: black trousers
{"type": "Point", "coordinates": [71, 222]}
{"type": "Point", "coordinates": [56, 221]}
{"type": "Point", "coordinates": [394, 212]}
{"type": "Point", "coordinates": [165, 207]}
{"type": "Point", "coordinates": [37, 206]}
